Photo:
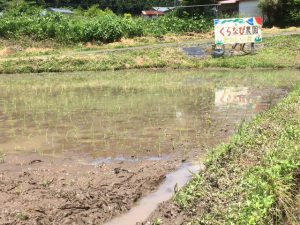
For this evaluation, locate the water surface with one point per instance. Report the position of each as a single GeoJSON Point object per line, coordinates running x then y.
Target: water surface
{"type": "Point", "coordinates": [131, 114]}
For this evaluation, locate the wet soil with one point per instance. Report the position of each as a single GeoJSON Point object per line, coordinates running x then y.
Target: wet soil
{"type": "Point", "coordinates": [171, 214]}
{"type": "Point", "coordinates": [42, 190]}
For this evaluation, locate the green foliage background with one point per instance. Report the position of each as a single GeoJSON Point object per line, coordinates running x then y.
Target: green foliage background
{"type": "Point", "coordinates": [117, 6]}
{"type": "Point", "coordinates": [90, 25]}
{"type": "Point", "coordinates": [281, 12]}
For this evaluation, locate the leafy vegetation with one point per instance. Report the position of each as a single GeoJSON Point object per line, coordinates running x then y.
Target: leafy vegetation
{"type": "Point", "coordinates": [92, 25]}
{"type": "Point", "coordinates": [254, 179]}
{"type": "Point", "coordinates": [281, 12]}
{"type": "Point", "coordinates": [208, 10]}
{"type": "Point", "coordinates": [118, 6]}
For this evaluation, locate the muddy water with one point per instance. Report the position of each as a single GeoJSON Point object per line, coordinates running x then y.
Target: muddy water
{"type": "Point", "coordinates": [164, 192]}
{"type": "Point", "coordinates": [113, 121]}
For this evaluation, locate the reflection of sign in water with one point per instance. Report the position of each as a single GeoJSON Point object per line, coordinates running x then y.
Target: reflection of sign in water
{"type": "Point", "coordinates": [238, 30]}
{"type": "Point", "coordinates": [238, 97]}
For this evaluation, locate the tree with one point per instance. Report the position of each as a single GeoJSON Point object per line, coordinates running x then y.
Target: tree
{"type": "Point", "coordinates": [3, 4]}
{"type": "Point", "coordinates": [198, 10]}
{"type": "Point", "coordinates": [270, 8]}
{"type": "Point", "coordinates": [281, 12]}
{"type": "Point", "coordinates": [117, 6]}
{"type": "Point", "coordinates": [292, 10]}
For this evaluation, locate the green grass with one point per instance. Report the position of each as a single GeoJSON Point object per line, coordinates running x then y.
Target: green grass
{"type": "Point", "coordinates": [254, 179]}
{"type": "Point", "coordinates": [279, 52]}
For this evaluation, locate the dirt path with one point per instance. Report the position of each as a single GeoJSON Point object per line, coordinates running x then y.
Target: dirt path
{"type": "Point", "coordinates": [40, 190]}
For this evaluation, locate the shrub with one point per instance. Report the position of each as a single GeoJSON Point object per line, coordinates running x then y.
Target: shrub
{"type": "Point", "coordinates": [93, 25]}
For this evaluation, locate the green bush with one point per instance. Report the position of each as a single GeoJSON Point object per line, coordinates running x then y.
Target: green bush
{"type": "Point", "coordinates": [172, 24]}
{"type": "Point", "coordinates": [92, 25]}
{"type": "Point", "coordinates": [94, 11]}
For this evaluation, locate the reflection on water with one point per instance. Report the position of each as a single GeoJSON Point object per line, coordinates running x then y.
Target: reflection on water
{"type": "Point", "coordinates": [232, 102]}
{"type": "Point", "coordinates": [115, 121]}
{"type": "Point", "coordinates": [240, 97]}
{"type": "Point", "coordinates": [233, 96]}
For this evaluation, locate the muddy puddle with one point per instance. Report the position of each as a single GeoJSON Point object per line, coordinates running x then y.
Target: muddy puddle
{"type": "Point", "coordinates": [100, 148]}
{"type": "Point", "coordinates": [172, 183]}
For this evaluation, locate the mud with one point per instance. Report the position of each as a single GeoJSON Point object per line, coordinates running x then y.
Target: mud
{"type": "Point", "coordinates": [173, 182]}
{"type": "Point", "coordinates": [43, 190]}
{"type": "Point", "coordinates": [171, 214]}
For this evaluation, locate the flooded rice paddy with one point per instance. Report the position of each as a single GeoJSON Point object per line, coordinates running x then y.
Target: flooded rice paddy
{"type": "Point", "coordinates": [105, 147]}
{"type": "Point", "coordinates": [133, 114]}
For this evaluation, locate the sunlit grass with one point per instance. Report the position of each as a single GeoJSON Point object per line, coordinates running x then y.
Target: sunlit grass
{"type": "Point", "coordinates": [278, 52]}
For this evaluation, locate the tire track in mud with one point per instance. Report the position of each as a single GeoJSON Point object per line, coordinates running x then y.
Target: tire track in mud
{"type": "Point", "coordinates": [63, 192]}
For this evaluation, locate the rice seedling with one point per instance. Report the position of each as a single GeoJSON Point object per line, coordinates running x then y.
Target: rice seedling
{"type": "Point", "coordinates": [116, 112]}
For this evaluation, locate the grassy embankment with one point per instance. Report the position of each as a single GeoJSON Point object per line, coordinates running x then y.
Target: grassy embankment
{"type": "Point", "coordinates": [255, 178]}
{"type": "Point", "coordinates": [278, 52]}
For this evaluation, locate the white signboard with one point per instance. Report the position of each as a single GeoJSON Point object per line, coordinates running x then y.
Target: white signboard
{"type": "Point", "coordinates": [238, 30]}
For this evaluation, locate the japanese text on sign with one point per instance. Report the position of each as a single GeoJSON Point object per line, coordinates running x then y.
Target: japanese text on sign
{"type": "Point", "coordinates": [238, 30]}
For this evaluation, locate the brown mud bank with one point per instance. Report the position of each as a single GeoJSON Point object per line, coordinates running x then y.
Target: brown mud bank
{"type": "Point", "coordinates": [42, 190]}
{"type": "Point", "coordinates": [172, 214]}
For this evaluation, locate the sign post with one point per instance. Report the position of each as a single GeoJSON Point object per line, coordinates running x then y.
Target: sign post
{"type": "Point", "coordinates": [238, 31]}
